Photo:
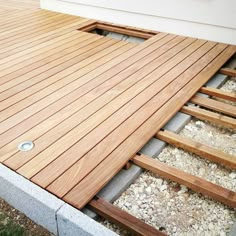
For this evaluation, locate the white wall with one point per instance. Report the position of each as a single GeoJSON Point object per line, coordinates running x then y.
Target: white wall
{"type": "Point", "coordinates": [209, 19]}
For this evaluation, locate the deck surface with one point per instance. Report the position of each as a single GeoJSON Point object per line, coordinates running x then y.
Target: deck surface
{"type": "Point", "coordinates": [89, 103]}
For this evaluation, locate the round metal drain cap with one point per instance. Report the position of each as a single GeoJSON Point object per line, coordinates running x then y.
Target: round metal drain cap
{"type": "Point", "coordinates": [26, 146]}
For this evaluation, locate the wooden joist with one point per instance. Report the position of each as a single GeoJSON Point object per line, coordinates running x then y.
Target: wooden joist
{"type": "Point", "coordinates": [218, 93]}
{"type": "Point", "coordinates": [122, 218]}
{"type": "Point", "coordinates": [195, 183]}
{"type": "Point", "coordinates": [197, 148]}
{"type": "Point", "coordinates": [215, 105]}
{"type": "Point", "coordinates": [228, 71]}
{"type": "Point", "coordinates": [210, 116]}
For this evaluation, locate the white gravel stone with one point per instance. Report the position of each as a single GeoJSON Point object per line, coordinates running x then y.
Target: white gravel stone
{"type": "Point", "coordinates": [163, 188]}
{"type": "Point", "coordinates": [232, 175]}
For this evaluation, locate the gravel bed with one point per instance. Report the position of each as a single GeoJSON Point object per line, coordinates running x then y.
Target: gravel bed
{"type": "Point", "coordinates": [229, 85]}
{"type": "Point", "coordinates": [174, 208]}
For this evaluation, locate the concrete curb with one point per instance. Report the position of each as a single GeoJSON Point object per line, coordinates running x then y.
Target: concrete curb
{"type": "Point", "coordinates": [233, 230]}
{"type": "Point", "coordinates": [44, 208]}
{"type": "Point", "coordinates": [72, 222]}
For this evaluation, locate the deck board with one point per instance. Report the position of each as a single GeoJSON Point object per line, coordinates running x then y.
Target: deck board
{"type": "Point", "coordinates": [89, 103]}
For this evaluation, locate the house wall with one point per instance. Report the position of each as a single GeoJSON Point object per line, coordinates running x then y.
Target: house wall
{"type": "Point", "coordinates": [208, 19]}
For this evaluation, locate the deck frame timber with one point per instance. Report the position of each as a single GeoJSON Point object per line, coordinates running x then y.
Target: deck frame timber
{"type": "Point", "coordinates": [197, 148]}
{"type": "Point", "coordinates": [218, 93]}
{"type": "Point", "coordinates": [214, 105]}
{"type": "Point", "coordinates": [193, 182]}
{"type": "Point", "coordinates": [228, 71]}
{"type": "Point", "coordinates": [214, 117]}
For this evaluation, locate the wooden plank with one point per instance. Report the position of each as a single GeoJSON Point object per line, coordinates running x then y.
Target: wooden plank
{"type": "Point", "coordinates": [219, 93]}
{"type": "Point", "coordinates": [128, 109]}
{"type": "Point", "coordinates": [200, 149]}
{"type": "Point", "coordinates": [41, 20]}
{"type": "Point", "coordinates": [215, 105]}
{"type": "Point", "coordinates": [146, 100]}
{"type": "Point", "coordinates": [24, 58]}
{"type": "Point", "coordinates": [118, 64]}
{"type": "Point", "coordinates": [22, 110]}
{"type": "Point", "coordinates": [90, 185]}
{"type": "Point", "coordinates": [210, 116]}
{"type": "Point", "coordinates": [19, 5]}
{"type": "Point", "coordinates": [19, 80]}
{"type": "Point", "coordinates": [37, 30]}
{"type": "Point", "coordinates": [195, 183]}
{"type": "Point", "coordinates": [116, 79]}
{"type": "Point", "coordinates": [122, 218]}
{"type": "Point", "coordinates": [56, 31]}
{"type": "Point", "coordinates": [9, 19]}
{"type": "Point", "coordinates": [22, 18]}
{"type": "Point", "coordinates": [228, 71]}
{"type": "Point", "coordinates": [10, 74]}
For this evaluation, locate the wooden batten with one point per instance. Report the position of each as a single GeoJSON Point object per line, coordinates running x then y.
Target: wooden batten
{"type": "Point", "coordinates": [200, 149]}
{"type": "Point", "coordinates": [218, 93]}
{"type": "Point", "coordinates": [215, 105]}
{"type": "Point", "coordinates": [195, 183]}
{"type": "Point", "coordinates": [210, 116]}
{"type": "Point", "coordinates": [228, 71]}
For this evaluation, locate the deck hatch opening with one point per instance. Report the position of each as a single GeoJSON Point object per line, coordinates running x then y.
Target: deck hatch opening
{"type": "Point", "coordinates": [125, 33]}
{"type": "Point", "coordinates": [26, 146]}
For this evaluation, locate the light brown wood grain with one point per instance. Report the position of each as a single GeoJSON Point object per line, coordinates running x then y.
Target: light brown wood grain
{"type": "Point", "coordinates": [228, 71]}
{"type": "Point", "coordinates": [73, 96]}
{"type": "Point", "coordinates": [215, 105]}
{"type": "Point", "coordinates": [18, 85]}
{"type": "Point", "coordinates": [29, 106]}
{"type": "Point", "coordinates": [219, 93]}
{"type": "Point", "coordinates": [216, 118]}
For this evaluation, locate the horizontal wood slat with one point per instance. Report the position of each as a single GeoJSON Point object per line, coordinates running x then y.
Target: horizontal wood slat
{"type": "Point", "coordinates": [210, 116]}
{"type": "Point", "coordinates": [200, 149]}
{"type": "Point", "coordinates": [219, 93]}
{"type": "Point", "coordinates": [195, 183]}
{"type": "Point", "coordinates": [215, 105]}
{"type": "Point", "coordinates": [228, 71]}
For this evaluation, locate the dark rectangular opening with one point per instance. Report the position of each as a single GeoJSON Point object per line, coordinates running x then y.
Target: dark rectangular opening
{"type": "Point", "coordinates": [125, 33]}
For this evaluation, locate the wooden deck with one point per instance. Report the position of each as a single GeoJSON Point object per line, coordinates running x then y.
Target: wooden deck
{"type": "Point", "coordinates": [89, 103]}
